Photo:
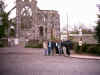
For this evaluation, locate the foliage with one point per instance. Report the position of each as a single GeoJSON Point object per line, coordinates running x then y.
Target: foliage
{"type": "Point", "coordinates": [4, 26]}
{"type": "Point", "coordinates": [2, 31]}
{"type": "Point", "coordinates": [33, 44]}
{"type": "Point", "coordinates": [88, 48]}
{"type": "Point", "coordinates": [75, 32]}
{"type": "Point", "coordinates": [5, 21]}
{"type": "Point", "coordinates": [84, 31]}
{"type": "Point", "coordinates": [94, 49]}
{"type": "Point", "coordinates": [76, 47]}
{"type": "Point", "coordinates": [3, 42]}
{"type": "Point", "coordinates": [97, 31]}
{"type": "Point", "coordinates": [84, 47]}
{"type": "Point", "coordinates": [87, 31]}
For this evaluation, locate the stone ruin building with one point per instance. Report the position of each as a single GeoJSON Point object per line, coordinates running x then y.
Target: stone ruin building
{"type": "Point", "coordinates": [36, 24]}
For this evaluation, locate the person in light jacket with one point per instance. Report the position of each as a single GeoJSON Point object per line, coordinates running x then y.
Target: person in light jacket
{"type": "Point", "coordinates": [45, 46]}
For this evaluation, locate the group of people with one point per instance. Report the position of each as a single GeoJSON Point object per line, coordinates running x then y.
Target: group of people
{"type": "Point", "coordinates": [54, 47]}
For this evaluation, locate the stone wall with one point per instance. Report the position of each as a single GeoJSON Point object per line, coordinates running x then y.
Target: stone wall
{"type": "Point", "coordinates": [36, 24]}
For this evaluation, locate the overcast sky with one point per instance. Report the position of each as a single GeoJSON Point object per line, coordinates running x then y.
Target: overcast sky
{"type": "Point", "coordinates": [78, 11]}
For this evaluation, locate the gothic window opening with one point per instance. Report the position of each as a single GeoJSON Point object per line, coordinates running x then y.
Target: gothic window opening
{"type": "Point", "coordinates": [26, 17]}
{"type": "Point", "coordinates": [26, 11]}
{"type": "Point", "coordinates": [26, 22]}
{"type": "Point", "coordinates": [45, 30]}
{"type": "Point", "coordinates": [41, 31]}
{"type": "Point", "coordinates": [40, 18]}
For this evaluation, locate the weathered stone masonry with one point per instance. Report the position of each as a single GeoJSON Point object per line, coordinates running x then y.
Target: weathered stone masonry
{"type": "Point", "coordinates": [36, 24]}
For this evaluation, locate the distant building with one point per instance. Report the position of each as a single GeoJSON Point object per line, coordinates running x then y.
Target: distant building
{"type": "Point", "coordinates": [86, 38]}
{"type": "Point", "coordinates": [64, 35]}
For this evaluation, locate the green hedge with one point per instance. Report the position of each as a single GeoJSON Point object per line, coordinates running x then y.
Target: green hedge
{"type": "Point", "coordinates": [88, 48]}
{"type": "Point", "coordinates": [94, 49]}
{"type": "Point", "coordinates": [76, 47]}
{"type": "Point", "coordinates": [3, 42]}
{"type": "Point", "coordinates": [34, 44]}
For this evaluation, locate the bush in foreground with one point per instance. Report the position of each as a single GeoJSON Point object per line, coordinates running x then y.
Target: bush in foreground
{"type": "Point", "coordinates": [88, 48]}
{"type": "Point", "coordinates": [34, 44]}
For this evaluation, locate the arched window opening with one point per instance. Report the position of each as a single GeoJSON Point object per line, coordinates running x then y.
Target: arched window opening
{"type": "Point", "coordinates": [41, 31]}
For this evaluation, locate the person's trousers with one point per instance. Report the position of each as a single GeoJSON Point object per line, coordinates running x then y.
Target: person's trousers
{"type": "Point", "coordinates": [67, 51]}
{"type": "Point", "coordinates": [60, 51]}
{"type": "Point", "coordinates": [64, 50]}
{"type": "Point", "coordinates": [49, 50]}
{"type": "Point", "coordinates": [45, 52]}
{"type": "Point", "coordinates": [53, 51]}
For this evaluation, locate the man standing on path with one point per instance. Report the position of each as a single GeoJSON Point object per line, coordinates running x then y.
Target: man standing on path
{"type": "Point", "coordinates": [66, 47]}
{"type": "Point", "coordinates": [49, 47]}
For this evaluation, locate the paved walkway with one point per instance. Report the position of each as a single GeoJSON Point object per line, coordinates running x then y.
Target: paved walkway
{"type": "Point", "coordinates": [30, 51]}
{"type": "Point", "coordinates": [85, 56]}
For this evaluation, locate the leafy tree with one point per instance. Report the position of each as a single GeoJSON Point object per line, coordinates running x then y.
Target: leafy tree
{"type": "Point", "coordinates": [87, 31]}
{"type": "Point", "coordinates": [74, 32]}
{"type": "Point", "coordinates": [4, 26]}
{"type": "Point", "coordinates": [97, 30]}
{"type": "Point", "coordinates": [4, 21]}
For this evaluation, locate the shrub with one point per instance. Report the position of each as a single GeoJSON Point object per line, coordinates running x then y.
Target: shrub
{"type": "Point", "coordinates": [3, 42]}
{"type": "Point", "coordinates": [84, 47]}
{"type": "Point", "coordinates": [87, 48]}
{"type": "Point", "coordinates": [76, 47]}
{"type": "Point", "coordinates": [34, 44]}
{"type": "Point", "coordinates": [94, 49]}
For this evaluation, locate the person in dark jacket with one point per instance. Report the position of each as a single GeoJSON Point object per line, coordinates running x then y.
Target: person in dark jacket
{"type": "Point", "coordinates": [49, 47]}
{"type": "Point", "coordinates": [67, 44]}
{"type": "Point", "coordinates": [56, 47]}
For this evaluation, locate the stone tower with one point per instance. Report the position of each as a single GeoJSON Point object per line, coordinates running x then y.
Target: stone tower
{"type": "Point", "coordinates": [25, 11]}
{"type": "Point", "coordinates": [36, 24]}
